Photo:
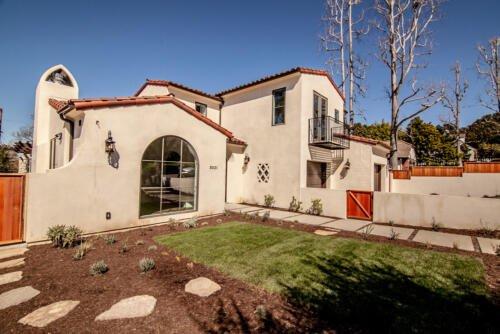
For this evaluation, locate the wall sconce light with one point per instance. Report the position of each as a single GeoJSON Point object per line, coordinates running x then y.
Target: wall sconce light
{"type": "Point", "coordinates": [58, 136]}
{"type": "Point", "coordinates": [109, 144]}
{"type": "Point", "coordinates": [246, 159]}
{"type": "Point", "coordinates": [347, 164]}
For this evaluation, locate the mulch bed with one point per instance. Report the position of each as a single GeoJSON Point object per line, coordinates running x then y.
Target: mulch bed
{"type": "Point", "coordinates": [54, 272]}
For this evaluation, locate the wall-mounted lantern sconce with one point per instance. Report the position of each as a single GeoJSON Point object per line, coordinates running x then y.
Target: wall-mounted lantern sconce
{"type": "Point", "coordinates": [246, 159]}
{"type": "Point", "coordinates": [58, 136]}
{"type": "Point", "coordinates": [110, 144]}
{"type": "Point", "coordinates": [347, 164]}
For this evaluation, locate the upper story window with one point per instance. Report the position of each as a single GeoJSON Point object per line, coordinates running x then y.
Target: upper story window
{"type": "Point", "coordinates": [320, 105]}
{"type": "Point", "coordinates": [337, 115]}
{"type": "Point", "coordinates": [201, 108]}
{"type": "Point", "coordinates": [279, 106]}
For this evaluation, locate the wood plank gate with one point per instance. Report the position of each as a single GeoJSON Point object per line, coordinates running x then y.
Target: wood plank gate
{"type": "Point", "coordinates": [360, 204]}
{"type": "Point", "coordinates": [11, 208]}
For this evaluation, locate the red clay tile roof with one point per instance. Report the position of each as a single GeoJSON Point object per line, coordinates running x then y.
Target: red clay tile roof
{"type": "Point", "coordinates": [167, 83]}
{"type": "Point", "coordinates": [304, 70]}
{"type": "Point", "coordinates": [81, 104]}
{"type": "Point", "coordinates": [363, 140]}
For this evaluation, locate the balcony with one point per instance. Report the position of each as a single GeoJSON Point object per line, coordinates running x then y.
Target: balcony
{"type": "Point", "coordinates": [326, 132]}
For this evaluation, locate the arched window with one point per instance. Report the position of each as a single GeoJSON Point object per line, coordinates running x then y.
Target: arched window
{"type": "Point", "coordinates": [60, 77]}
{"type": "Point", "coordinates": [169, 175]}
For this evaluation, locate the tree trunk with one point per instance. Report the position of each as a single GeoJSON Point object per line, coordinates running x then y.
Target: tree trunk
{"type": "Point", "coordinates": [351, 68]}
{"type": "Point", "coordinates": [393, 156]}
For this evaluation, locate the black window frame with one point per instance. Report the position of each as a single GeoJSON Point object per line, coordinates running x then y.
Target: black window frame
{"type": "Point", "coordinates": [196, 104]}
{"type": "Point", "coordinates": [274, 92]}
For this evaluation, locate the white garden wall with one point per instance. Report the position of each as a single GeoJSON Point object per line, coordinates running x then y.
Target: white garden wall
{"type": "Point", "coordinates": [457, 212]}
{"type": "Point", "coordinates": [334, 201]}
{"type": "Point", "coordinates": [470, 184]}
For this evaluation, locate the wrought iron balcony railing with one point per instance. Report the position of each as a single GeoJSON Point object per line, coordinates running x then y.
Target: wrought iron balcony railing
{"type": "Point", "coordinates": [328, 132]}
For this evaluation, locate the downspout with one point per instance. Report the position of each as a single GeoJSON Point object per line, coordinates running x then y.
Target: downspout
{"type": "Point", "coordinates": [71, 133]}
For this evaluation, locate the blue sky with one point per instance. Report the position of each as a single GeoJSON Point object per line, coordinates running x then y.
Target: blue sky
{"type": "Point", "coordinates": [112, 46]}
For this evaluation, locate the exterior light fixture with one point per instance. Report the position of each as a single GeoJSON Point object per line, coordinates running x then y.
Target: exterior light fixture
{"type": "Point", "coordinates": [246, 159]}
{"type": "Point", "coordinates": [58, 136]}
{"type": "Point", "coordinates": [347, 164]}
{"type": "Point", "coordinates": [109, 144]}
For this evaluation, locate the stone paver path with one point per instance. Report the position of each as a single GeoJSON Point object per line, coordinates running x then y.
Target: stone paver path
{"type": "Point", "coordinates": [46, 314]}
{"type": "Point", "coordinates": [11, 277]}
{"type": "Point", "coordinates": [12, 263]}
{"type": "Point", "coordinates": [323, 232]}
{"type": "Point", "coordinates": [445, 239]}
{"type": "Point", "coordinates": [309, 219]}
{"type": "Point", "coordinates": [488, 245]}
{"type": "Point", "coordinates": [347, 224]}
{"type": "Point", "coordinates": [133, 307]}
{"type": "Point", "coordinates": [4, 254]}
{"type": "Point", "coordinates": [335, 224]}
{"type": "Point", "coordinates": [385, 231]}
{"type": "Point", "coordinates": [17, 296]}
{"type": "Point", "coordinates": [202, 287]}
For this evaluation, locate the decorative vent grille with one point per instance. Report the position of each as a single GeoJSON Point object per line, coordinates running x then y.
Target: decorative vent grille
{"type": "Point", "coordinates": [263, 172]}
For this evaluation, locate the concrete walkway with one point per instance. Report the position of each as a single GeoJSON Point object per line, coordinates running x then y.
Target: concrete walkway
{"type": "Point", "coordinates": [460, 241]}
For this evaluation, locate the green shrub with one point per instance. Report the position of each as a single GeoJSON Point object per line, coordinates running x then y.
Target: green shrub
{"type": "Point", "coordinates": [109, 239]}
{"type": "Point", "coordinates": [393, 235]}
{"type": "Point", "coordinates": [123, 248]}
{"type": "Point", "coordinates": [295, 205]}
{"type": "Point", "coordinates": [367, 231]}
{"type": "Point", "coordinates": [98, 268]}
{"type": "Point", "coordinates": [56, 235]}
{"type": "Point", "coordinates": [266, 215]}
{"type": "Point", "coordinates": [268, 201]}
{"type": "Point", "coordinates": [316, 207]}
{"type": "Point", "coordinates": [435, 225]}
{"type": "Point", "coordinates": [146, 264]}
{"type": "Point", "coordinates": [191, 223]}
{"type": "Point", "coordinates": [82, 250]}
{"type": "Point", "coordinates": [62, 236]}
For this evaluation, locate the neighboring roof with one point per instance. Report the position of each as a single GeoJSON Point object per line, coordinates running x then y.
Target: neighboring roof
{"type": "Point", "coordinates": [63, 107]}
{"type": "Point", "coordinates": [166, 83]}
{"type": "Point", "coordinates": [363, 140]}
{"type": "Point", "coordinates": [404, 148]}
{"type": "Point", "coordinates": [303, 70]}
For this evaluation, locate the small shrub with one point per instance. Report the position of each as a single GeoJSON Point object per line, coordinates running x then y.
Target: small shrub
{"type": "Point", "coordinates": [98, 268]}
{"type": "Point", "coordinates": [268, 201]}
{"type": "Point", "coordinates": [393, 235]}
{"type": "Point", "coordinates": [139, 242]}
{"type": "Point", "coordinates": [123, 247]}
{"type": "Point", "coordinates": [316, 207]}
{"type": "Point", "coordinates": [191, 223]}
{"type": "Point", "coordinates": [227, 213]}
{"type": "Point", "coordinates": [109, 239]}
{"type": "Point", "coordinates": [56, 235]}
{"type": "Point", "coordinates": [295, 205]}
{"type": "Point", "coordinates": [497, 250]}
{"type": "Point", "coordinates": [367, 231]}
{"type": "Point", "coordinates": [486, 230]}
{"type": "Point", "coordinates": [146, 264]}
{"type": "Point", "coordinates": [152, 248]}
{"type": "Point", "coordinates": [435, 225]}
{"type": "Point", "coordinates": [265, 216]}
{"type": "Point", "coordinates": [82, 250]}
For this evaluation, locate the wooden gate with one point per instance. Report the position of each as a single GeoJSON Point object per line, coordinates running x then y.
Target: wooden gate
{"type": "Point", "coordinates": [360, 204]}
{"type": "Point", "coordinates": [11, 208]}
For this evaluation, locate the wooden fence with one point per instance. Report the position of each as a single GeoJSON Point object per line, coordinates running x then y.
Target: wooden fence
{"type": "Point", "coordinates": [447, 171]}
{"type": "Point", "coordinates": [11, 208]}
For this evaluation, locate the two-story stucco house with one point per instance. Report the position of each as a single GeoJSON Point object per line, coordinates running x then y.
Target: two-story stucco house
{"type": "Point", "coordinates": [171, 151]}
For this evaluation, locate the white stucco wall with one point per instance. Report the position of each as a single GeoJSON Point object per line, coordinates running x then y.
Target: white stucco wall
{"type": "Point", "coordinates": [450, 211]}
{"type": "Point", "coordinates": [248, 114]}
{"type": "Point", "coordinates": [81, 192]}
{"type": "Point", "coordinates": [334, 201]}
{"type": "Point", "coordinates": [470, 184]}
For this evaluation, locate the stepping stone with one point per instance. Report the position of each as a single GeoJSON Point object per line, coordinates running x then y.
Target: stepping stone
{"type": "Point", "coordinates": [202, 287]}
{"type": "Point", "coordinates": [45, 315]}
{"type": "Point", "coordinates": [309, 219]}
{"type": "Point", "coordinates": [488, 245]}
{"type": "Point", "coordinates": [12, 252]}
{"type": "Point", "coordinates": [11, 277]}
{"type": "Point", "coordinates": [17, 296]}
{"type": "Point", "coordinates": [385, 231]}
{"type": "Point", "coordinates": [133, 307]}
{"type": "Point", "coordinates": [445, 239]}
{"type": "Point", "coordinates": [323, 232]}
{"type": "Point", "coordinates": [347, 224]}
{"type": "Point", "coordinates": [12, 263]}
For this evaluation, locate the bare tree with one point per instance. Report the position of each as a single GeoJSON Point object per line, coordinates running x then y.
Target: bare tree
{"type": "Point", "coordinates": [338, 41]}
{"type": "Point", "coordinates": [488, 67]}
{"type": "Point", "coordinates": [452, 99]}
{"type": "Point", "coordinates": [404, 38]}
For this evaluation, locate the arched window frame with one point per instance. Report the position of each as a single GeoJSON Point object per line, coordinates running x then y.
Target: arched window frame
{"type": "Point", "coordinates": [163, 162]}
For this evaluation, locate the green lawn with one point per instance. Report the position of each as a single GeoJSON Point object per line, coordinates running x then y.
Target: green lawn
{"type": "Point", "coordinates": [346, 284]}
